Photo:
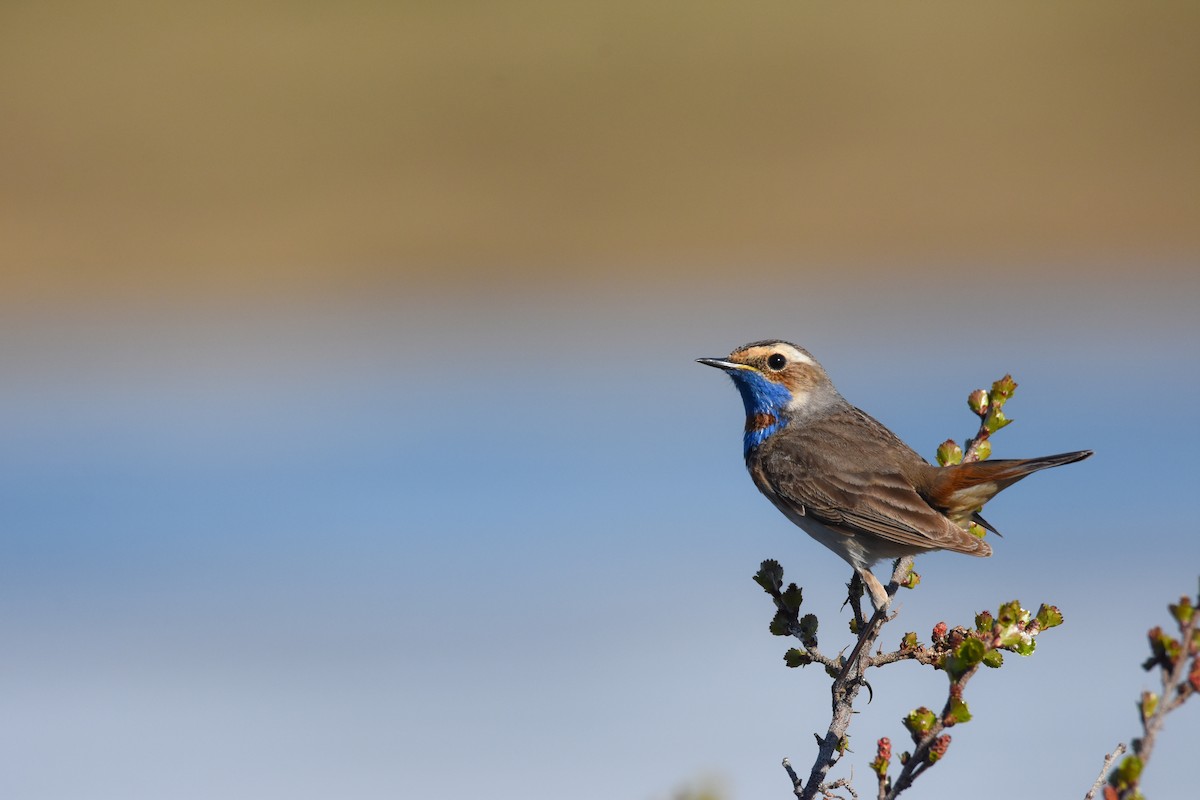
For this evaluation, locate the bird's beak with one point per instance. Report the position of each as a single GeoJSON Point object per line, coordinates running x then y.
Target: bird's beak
{"type": "Point", "coordinates": [720, 363]}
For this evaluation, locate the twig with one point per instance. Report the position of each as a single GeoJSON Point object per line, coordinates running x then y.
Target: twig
{"type": "Point", "coordinates": [1176, 688]}
{"type": "Point", "coordinates": [846, 687]}
{"type": "Point", "coordinates": [797, 786]}
{"type": "Point", "coordinates": [1117, 752]}
{"type": "Point", "coordinates": [840, 783]}
{"type": "Point", "coordinates": [1178, 663]}
{"type": "Point", "coordinates": [919, 761]}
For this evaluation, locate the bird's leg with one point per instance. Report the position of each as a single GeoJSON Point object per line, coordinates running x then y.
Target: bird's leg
{"type": "Point", "coordinates": [854, 594]}
{"type": "Point", "coordinates": [879, 595]}
{"type": "Point", "coordinates": [854, 589]}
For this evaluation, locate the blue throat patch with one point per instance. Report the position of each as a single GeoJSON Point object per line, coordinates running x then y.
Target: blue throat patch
{"type": "Point", "coordinates": [762, 399]}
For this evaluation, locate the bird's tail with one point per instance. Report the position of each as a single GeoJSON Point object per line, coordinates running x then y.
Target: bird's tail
{"type": "Point", "coordinates": [959, 491]}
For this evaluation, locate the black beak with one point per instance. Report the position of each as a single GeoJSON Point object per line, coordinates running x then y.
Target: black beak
{"type": "Point", "coordinates": [717, 362]}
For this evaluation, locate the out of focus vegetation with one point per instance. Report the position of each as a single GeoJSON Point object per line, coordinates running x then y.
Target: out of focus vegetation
{"type": "Point", "coordinates": [243, 146]}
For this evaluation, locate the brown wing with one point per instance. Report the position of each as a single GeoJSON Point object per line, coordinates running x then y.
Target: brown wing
{"type": "Point", "coordinates": [846, 471]}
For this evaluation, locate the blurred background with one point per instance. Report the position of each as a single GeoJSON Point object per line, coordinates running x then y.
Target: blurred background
{"type": "Point", "coordinates": [352, 443]}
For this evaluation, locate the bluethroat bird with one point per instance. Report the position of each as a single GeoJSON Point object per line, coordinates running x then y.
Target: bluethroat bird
{"type": "Point", "coordinates": [848, 481]}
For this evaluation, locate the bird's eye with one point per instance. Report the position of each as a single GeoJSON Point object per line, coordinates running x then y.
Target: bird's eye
{"type": "Point", "coordinates": [776, 361]}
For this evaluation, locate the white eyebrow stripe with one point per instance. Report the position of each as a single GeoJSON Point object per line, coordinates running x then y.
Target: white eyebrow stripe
{"type": "Point", "coordinates": [796, 355]}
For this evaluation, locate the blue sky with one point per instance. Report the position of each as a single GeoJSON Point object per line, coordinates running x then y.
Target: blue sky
{"type": "Point", "coordinates": [402, 546]}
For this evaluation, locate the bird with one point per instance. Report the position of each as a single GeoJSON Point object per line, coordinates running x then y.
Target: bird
{"type": "Point", "coordinates": [848, 481]}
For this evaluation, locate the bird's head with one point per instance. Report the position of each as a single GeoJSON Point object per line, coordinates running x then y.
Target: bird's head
{"type": "Point", "coordinates": [778, 381]}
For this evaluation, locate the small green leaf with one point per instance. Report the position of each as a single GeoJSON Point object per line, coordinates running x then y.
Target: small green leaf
{"type": "Point", "coordinates": [797, 658]}
{"type": "Point", "coordinates": [1049, 617]}
{"type": "Point", "coordinates": [996, 420]}
{"type": "Point", "coordinates": [780, 624]}
{"type": "Point", "coordinates": [976, 530]}
{"type": "Point", "coordinates": [983, 450]}
{"type": "Point", "coordinates": [808, 630]}
{"type": "Point", "coordinates": [792, 597]}
{"type": "Point", "coordinates": [909, 641]}
{"type": "Point", "coordinates": [968, 653]}
{"type": "Point", "coordinates": [971, 651]}
{"type": "Point", "coordinates": [770, 576]}
{"type": "Point", "coordinates": [1025, 647]}
{"type": "Point", "coordinates": [1003, 389]}
{"type": "Point", "coordinates": [993, 659]}
{"type": "Point", "coordinates": [983, 621]}
{"type": "Point", "coordinates": [1011, 612]}
{"type": "Point", "coordinates": [958, 712]}
{"type": "Point", "coordinates": [912, 581]}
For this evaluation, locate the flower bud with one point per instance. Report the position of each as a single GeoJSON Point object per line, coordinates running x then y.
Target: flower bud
{"type": "Point", "coordinates": [883, 756]}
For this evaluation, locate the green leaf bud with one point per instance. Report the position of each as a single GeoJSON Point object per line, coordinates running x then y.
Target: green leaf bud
{"type": "Point", "coordinates": [1183, 611]}
{"type": "Point", "coordinates": [949, 453]}
{"type": "Point", "coordinates": [978, 401]}
{"type": "Point", "coordinates": [1130, 770]}
{"type": "Point", "coordinates": [1003, 389]}
{"type": "Point", "coordinates": [1148, 705]}
{"type": "Point", "coordinates": [919, 721]}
